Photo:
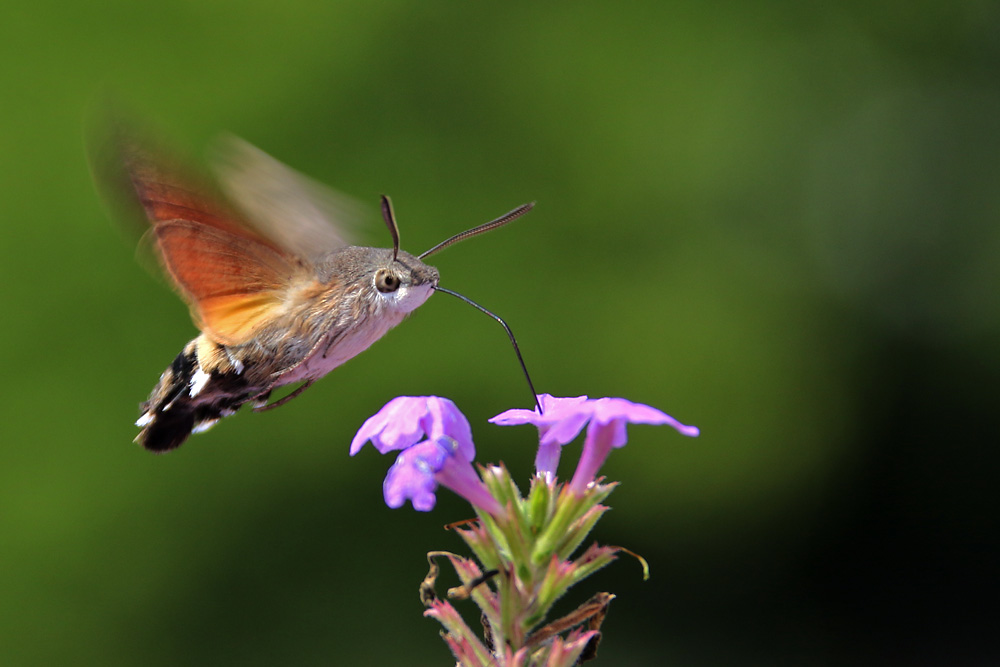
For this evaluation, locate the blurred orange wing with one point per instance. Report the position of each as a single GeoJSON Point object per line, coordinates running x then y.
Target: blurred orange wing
{"type": "Point", "coordinates": [234, 279]}
{"type": "Point", "coordinates": [234, 284]}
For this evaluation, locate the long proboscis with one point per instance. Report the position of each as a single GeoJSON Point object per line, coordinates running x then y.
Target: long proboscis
{"type": "Point", "coordinates": [481, 229]}
{"type": "Point", "coordinates": [510, 334]}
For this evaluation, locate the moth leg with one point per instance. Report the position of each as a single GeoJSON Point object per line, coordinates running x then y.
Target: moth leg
{"type": "Point", "coordinates": [281, 401]}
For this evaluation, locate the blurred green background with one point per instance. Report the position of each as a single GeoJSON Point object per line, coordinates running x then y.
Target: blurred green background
{"type": "Point", "coordinates": [774, 221]}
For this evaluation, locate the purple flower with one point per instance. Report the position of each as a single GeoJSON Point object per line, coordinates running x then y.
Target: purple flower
{"type": "Point", "coordinates": [561, 422]}
{"type": "Point", "coordinates": [419, 469]}
{"type": "Point", "coordinates": [605, 419]}
{"type": "Point", "coordinates": [445, 457]}
{"type": "Point", "coordinates": [406, 420]}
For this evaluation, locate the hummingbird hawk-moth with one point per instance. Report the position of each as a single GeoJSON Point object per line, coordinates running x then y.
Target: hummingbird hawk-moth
{"type": "Point", "coordinates": [278, 294]}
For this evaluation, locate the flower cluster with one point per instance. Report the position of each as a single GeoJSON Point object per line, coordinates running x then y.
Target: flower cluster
{"type": "Point", "coordinates": [434, 442]}
{"type": "Point", "coordinates": [525, 545]}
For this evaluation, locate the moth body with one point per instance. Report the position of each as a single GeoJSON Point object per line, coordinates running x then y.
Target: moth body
{"type": "Point", "coordinates": [319, 327]}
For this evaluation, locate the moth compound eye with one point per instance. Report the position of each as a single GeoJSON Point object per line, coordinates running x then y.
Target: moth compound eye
{"type": "Point", "coordinates": [385, 281]}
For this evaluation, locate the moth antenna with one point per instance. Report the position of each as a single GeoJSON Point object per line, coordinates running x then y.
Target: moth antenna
{"type": "Point", "coordinates": [510, 334]}
{"type": "Point", "coordinates": [390, 222]}
{"type": "Point", "coordinates": [476, 231]}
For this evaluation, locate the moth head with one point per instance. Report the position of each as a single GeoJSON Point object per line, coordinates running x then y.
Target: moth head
{"type": "Point", "coordinates": [401, 281]}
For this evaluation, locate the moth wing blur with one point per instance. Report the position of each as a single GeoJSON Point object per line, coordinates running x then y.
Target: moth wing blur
{"type": "Point", "coordinates": [300, 214]}
{"type": "Point", "coordinates": [233, 277]}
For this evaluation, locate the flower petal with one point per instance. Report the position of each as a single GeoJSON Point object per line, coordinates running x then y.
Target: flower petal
{"type": "Point", "coordinates": [411, 477]}
{"type": "Point", "coordinates": [419, 470]}
{"type": "Point", "coordinates": [406, 420]}
{"type": "Point", "coordinates": [444, 419]}
{"type": "Point", "coordinates": [561, 421]}
{"type": "Point", "coordinates": [610, 410]}
{"type": "Point", "coordinates": [564, 431]}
